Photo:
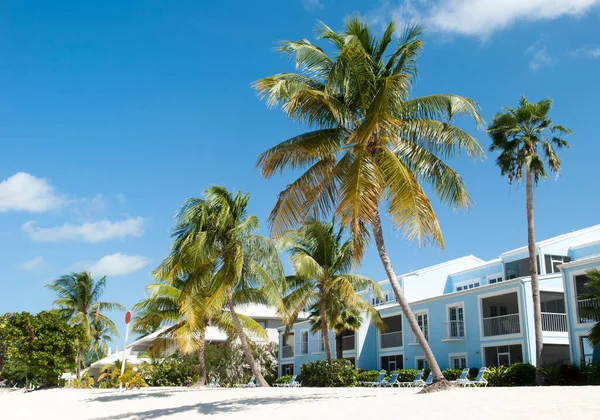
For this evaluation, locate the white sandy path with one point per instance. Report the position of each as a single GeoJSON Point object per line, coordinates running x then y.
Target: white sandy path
{"type": "Point", "coordinates": [575, 403]}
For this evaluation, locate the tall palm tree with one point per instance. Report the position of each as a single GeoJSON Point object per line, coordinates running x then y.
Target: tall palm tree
{"type": "Point", "coordinates": [322, 261]}
{"type": "Point", "coordinates": [371, 142]}
{"type": "Point", "coordinates": [524, 137]}
{"type": "Point", "coordinates": [79, 302]}
{"type": "Point", "coordinates": [216, 230]}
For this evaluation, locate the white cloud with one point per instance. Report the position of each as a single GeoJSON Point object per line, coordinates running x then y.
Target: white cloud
{"type": "Point", "coordinates": [121, 198]}
{"type": "Point", "coordinates": [93, 232]}
{"type": "Point", "coordinates": [32, 264]}
{"type": "Point", "coordinates": [25, 192]}
{"type": "Point", "coordinates": [312, 4]}
{"type": "Point", "coordinates": [540, 56]}
{"type": "Point", "coordinates": [589, 51]}
{"type": "Point", "coordinates": [116, 265]}
{"type": "Point", "coordinates": [483, 17]}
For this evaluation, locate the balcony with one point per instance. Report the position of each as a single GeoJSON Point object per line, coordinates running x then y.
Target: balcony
{"type": "Point", "coordinates": [501, 325]}
{"type": "Point", "coordinates": [554, 322]}
{"type": "Point", "coordinates": [287, 351]}
{"type": "Point", "coordinates": [391, 339]}
{"type": "Point", "coordinates": [584, 305]}
{"type": "Point", "coordinates": [348, 343]}
{"type": "Point", "coordinates": [454, 330]}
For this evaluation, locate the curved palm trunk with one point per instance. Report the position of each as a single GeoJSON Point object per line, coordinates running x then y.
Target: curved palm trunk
{"type": "Point", "coordinates": [201, 358]}
{"type": "Point", "coordinates": [339, 349]}
{"type": "Point", "coordinates": [410, 317]}
{"type": "Point", "coordinates": [245, 347]}
{"type": "Point", "coordinates": [535, 285]}
{"type": "Point", "coordinates": [78, 367]}
{"type": "Point", "coordinates": [324, 330]}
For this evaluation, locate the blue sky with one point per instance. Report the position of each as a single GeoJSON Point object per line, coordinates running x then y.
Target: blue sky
{"type": "Point", "coordinates": [112, 113]}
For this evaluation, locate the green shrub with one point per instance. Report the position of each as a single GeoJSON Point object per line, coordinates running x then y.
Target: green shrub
{"type": "Point", "coordinates": [322, 374]}
{"type": "Point", "coordinates": [406, 375]}
{"type": "Point", "coordinates": [520, 374]}
{"type": "Point", "coordinates": [285, 379]}
{"type": "Point", "coordinates": [82, 383]}
{"type": "Point", "coordinates": [367, 376]}
{"type": "Point", "coordinates": [553, 375]}
{"type": "Point", "coordinates": [496, 375]}
{"type": "Point", "coordinates": [473, 373]}
{"type": "Point", "coordinates": [452, 374]}
{"type": "Point", "coordinates": [175, 370]}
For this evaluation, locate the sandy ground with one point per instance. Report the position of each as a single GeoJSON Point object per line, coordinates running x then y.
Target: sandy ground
{"type": "Point", "coordinates": [304, 403]}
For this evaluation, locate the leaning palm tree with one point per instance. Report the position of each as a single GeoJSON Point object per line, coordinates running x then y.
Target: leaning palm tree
{"type": "Point", "coordinates": [524, 137]}
{"type": "Point", "coordinates": [593, 311]}
{"type": "Point", "coordinates": [217, 231]}
{"type": "Point", "coordinates": [371, 142]}
{"type": "Point", "coordinates": [79, 302]}
{"type": "Point", "coordinates": [322, 261]}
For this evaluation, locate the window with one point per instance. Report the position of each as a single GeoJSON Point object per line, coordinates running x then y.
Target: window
{"type": "Point", "coordinates": [458, 362]}
{"type": "Point", "coordinates": [471, 284]}
{"type": "Point", "coordinates": [287, 350]}
{"type": "Point", "coordinates": [348, 340]}
{"type": "Point", "coordinates": [586, 350]}
{"type": "Point", "coordinates": [494, 311]}
{"type": "Point", "coordinates": [456, 321]}
{"type": "Point", "coordinates": [262, 323]}
{"type": "Point", "coordinates": [421, 363]}
{"type": "Point", "coordinates": [519, 268]}
{"type": "Point", "coordinates": [503, 355]}
{"type": "Point", "coordinates": [423, 324]}
{"type": "Point", "coordinates": [319, 344]}
{"type": "Point", "coordinates": [304, 342]}
{"type": "Point", "coordinates": [394, 362]}
{"type": "Point", "coordinates": [553, 261]}
{"type": "Point", "coordinates": [495, 279]}
{"type": "Point", "coordinates": [287, 369]}
{"type": "Point", "coordinates": [392, 337]}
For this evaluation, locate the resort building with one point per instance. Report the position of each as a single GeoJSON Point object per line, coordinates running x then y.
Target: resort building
{"type": "Point", "coordinates": [473, 313]}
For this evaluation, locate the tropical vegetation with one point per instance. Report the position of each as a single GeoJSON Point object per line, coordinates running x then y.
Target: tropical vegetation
{"type": "Point", "coordinates": [370, 144]}
{"type": "Point", "coordinates": [525, 138]}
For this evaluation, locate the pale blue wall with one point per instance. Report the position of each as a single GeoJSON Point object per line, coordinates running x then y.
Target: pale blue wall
{"type": "Point", "coordinates": [577, 254]}
{"type": "Point", "coordinates": [476, 273]}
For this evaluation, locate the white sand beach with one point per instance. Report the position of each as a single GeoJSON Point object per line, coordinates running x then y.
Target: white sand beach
{"type": "Point", "coordinates": [307, 403]}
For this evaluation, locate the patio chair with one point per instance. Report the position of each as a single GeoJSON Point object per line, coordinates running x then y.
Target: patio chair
{"type": "Point", "coordinates": [479, 380]}
{"type": "Point", "coordinates": [423, 383]}
{"type": "Point", "coordinates": [464, 377]}
{"type": "Point", "coordinates": [251, 383]}
{"type": "Point", "coordinates": [211, 383]}
{"type": "Point", "coordinates": [291, 383]}
{"type": "Point", "coordinates": [378, 381]}
{"type": "Point", "coordinates": [393, 381]}
{"type": "Point", "coordinates": [418, 379]}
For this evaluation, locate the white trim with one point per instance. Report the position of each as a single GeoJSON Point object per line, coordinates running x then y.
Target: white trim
{"type": "Point", "coordinates": [461, 354]}
{"type": "Point", "coordinates": [388, 355]}
{"type": "Point", "coordinates": [379, 348]}
{"type": "Point", "coordinates": [574, 299]}
{"type": "Point", "coordinates": [423, 358]}
{"type": "Point", "coordinates": [468, 283]}
{"type": "Point", "coordinates": [478, 267]}
{"type": "Point", "coordinates": [424, 311]}
{"type": "Point", "coordinates": [520, 313]}
{"type": "Point", "coordinates": [584, 245]}
{"type": "Point", "coordinates": [578, 336]}
{"type": "Point", "coordinates": [553, 240]}
{"type": "Point", "coordinates": [455, 305]}
{"type": "Point", "coordinates": [587, 260]}
{"type": "Point", "coordinates": [495, 276]}
{"type": "Point", "coordinates": [503, 343]}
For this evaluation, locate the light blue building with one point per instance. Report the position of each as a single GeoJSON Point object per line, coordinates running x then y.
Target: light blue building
{"type": "Point", "coordinates": [473, 312]}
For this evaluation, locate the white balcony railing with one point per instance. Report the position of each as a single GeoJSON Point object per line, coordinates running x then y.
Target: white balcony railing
{"type": "Point", "coordinates": [381, 303]}
{"type": "Point", "coordinates": [348, 343]}
{"type": "Point", "coordinates": [454, 330]}
{"type": "Point", "coordinates": [501, 325]}
{"type": "Point", "coordinates": [287, 351]}
{"type": "Point", "coordinates": [584, 304]}
{"type": "Point", "coordinates": [554, 322]}
{"type": "Point", "coordinates": [391, 339]}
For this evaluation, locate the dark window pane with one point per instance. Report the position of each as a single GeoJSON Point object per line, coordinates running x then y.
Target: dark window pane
{"type": "Point", "coordinates": [516, 354]}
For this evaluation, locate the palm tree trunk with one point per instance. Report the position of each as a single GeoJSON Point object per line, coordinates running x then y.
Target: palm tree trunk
{"type": "Point", "coordinates": [339, 350]}
{"type": "Point", "coordinates": [535, 285]}
{"type": "Point", "coordinates": [78, 367]}
{"type": "Point", "coordinates": [324, 330]}
{"type": "Point", "coordinates": [244, 341]}
{"type": "Point", "coordinates": [436, 372]}
{"type": "Point", "coordinates": [201, 358]}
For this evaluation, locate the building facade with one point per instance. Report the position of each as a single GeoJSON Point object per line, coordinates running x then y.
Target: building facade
{"type": "Point", "coordinates": [473, 313]}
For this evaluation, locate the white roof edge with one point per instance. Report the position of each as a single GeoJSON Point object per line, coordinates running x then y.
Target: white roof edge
{"type": "Point", "coordinates": [484, 264]}
{"type": "Point", "coordinates": [552, 240]}
{"type": "Point", "coordinates": [587, 260]}
{"type": "Point", "coordinates": [435, 267]}
{"type": "Point", "coordinates": [585, 244]}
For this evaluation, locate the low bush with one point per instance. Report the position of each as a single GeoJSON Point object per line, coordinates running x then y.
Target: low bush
{"type": "Point", "coordinates": [339, 373]}
{"type": "Point", "coordinates": [552, 375]}
{"type": "Point", "coordinates": [452, 374]}
{"type": "Point", "coordinates": [406, 375]}
{"type": "Point", "coordinates": [473, 372]}
{"type": "Point", "coordinates": [520, 374]}
{"type": "Point", "coordinates": [82, 383]}
{"type": "Point", "coordinates": [367, 376]}
{"type": "Point", "coordinates": [285, 379]}
{"type": "Point", "coordinates": [496, 375]}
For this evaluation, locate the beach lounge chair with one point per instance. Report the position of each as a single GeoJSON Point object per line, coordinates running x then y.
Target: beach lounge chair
{"type": "Point", "coordinates": [251, 383]}
{"type": "Point", "coordinates": [291, 384]}
{"type": "Point", "coordinates": [426, 382]}
{"type": "Point", "coordinates": [214, 383]}
{"type": "Point", "coordinates": [378, 381]}
{"type": "Point", "coordinates": [479, 380]}
{"type": "Point", "coordinates": [393, 381]}
{"type": "Point", "coordinates": [464, 377]}
{"type": "Point", "coordinates": [418, 379]}
{"type": "Point", "coordinates": [3, 384]}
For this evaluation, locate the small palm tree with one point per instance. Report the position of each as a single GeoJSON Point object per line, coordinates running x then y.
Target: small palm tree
{"type": "Point", "coordinates": [100, 339]}
{"type": "Point", "coordinates": [322, 261]}
{"type": "Point", "coordinates": [371, 142]}
{"type": "Point", "coordinates": [216, 232]}
{"type": "Point", "coordinates": [593, 311]}
{"type": "Point", "coordinates": [524, 137]}
{"type": "Point", "coordinates": [79, 302]}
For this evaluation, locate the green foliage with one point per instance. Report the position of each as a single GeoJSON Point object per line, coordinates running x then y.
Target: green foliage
{"type": "Point", "coordinates": [285, 379]}
{"type": "Point", "coordinates": [473, 373]}
{"type": "Point", "coordinates": [83, 383]}
{"type": "Point", "coordinates": [452, 374]}
{"type": "Point", "coordinates": [520, 374]}
{"type": "Point", "coordinates": [593, 311]}
{"type": "Point", "coordinates": [36, 348]}
{"type": "Point", "coordinates": [175, 370]}
{"type": "Point", "coordinates": [406, 375]}
{"type": "Point", "coordinates": [496, 375]}
{"type": "Point", "coordinates": [553, 375]}
{"type": "Point", "coordinates": [367, 376]}
{"type": "Point", "coordinates": [340, 373]}
{"type": "Point", "coordinates": [111, 376]}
